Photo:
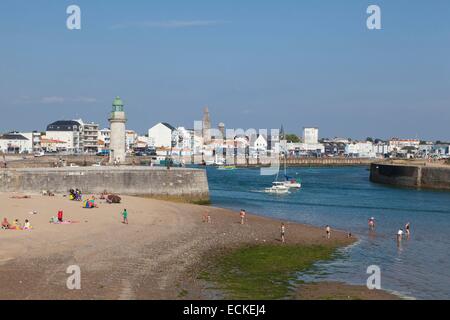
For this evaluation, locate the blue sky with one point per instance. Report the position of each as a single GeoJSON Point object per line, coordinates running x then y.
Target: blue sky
{"type": "Point", "coordinates": [254, 63]}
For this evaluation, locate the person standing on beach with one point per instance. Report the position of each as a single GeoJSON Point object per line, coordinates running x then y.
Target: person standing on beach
{"type": "Point", "coordinates": [283, 229]}
{"type": "Point", "coordinates": [328, 231]}
{"type": "Point", "coordinates": [407, 228]}
{"type": "Point", "coordinates": [242, 215]}
{"type": "Point", "coordinates": [60, 216]}
{"type": "Point", "coordinates": [125, 216]}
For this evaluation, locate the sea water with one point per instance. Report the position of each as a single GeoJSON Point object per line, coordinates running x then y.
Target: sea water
{"type": "Point", "coordinates": [345, 199]}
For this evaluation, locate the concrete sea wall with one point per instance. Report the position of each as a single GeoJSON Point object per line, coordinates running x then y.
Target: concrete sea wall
{"type": "Point", "coordinates": [181, 184]}
{"type": "Point", "coordinates": [415, 176]}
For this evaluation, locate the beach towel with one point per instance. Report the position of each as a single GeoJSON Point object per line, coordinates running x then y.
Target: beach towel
{"type": "Point", "coordinates": [65, 222]}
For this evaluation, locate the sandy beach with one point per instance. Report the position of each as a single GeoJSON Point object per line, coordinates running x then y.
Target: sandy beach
{"type": "Point", "coordinates": [155, 256]}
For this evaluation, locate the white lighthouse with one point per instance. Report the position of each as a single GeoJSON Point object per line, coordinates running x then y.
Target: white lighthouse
{"type": "Point", "coordinates": [117, 124]}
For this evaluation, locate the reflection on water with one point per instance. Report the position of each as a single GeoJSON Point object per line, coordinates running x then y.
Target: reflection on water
{"type": "Point", "coordinates": [345, 199]}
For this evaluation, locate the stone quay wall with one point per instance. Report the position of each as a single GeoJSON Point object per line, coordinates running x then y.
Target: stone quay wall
{"type": "Point", "coordinates": [179, 184]}
{"type": "Point", "coordinates": [413, 176]}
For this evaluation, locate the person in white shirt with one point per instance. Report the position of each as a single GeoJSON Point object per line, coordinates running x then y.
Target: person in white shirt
{"type": "Point", "coordinates": [399, 235]}
{"type": "Point", "coordinates": [328, 231]}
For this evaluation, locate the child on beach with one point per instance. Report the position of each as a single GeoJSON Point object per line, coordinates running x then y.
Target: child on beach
{"type": "Point", "coordinates": [27, 225]}
{"type": "Point", "coordinates": [242, 215]}
{"type": "Point", "coordinates": [328, 231]}
{"type": "Point", "coordinates": [125, 216]}
{"type": "Point", "coordinates": [283, 229]}
{"type": "Point", "coordinates": [5, 224]}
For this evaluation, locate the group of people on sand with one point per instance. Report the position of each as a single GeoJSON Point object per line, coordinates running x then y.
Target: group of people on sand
{"type": "Point", "coordinates": [16, 225]}
{"type": "Point", "coordinates": [75, 195]}
{"type": "Point", "coordinates": [243, 220]}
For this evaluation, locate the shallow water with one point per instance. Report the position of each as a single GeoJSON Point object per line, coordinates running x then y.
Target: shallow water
{"type": "Point", "coordinates": [344, 198]}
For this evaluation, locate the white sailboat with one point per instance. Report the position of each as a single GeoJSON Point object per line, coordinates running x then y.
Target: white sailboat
{"type": "Point", "coordinates": [290, 182]}
{"type": "Point", "coordinates": [277, 187]}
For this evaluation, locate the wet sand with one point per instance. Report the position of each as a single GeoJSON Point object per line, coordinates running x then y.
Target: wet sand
{"type": "Point", "coordinates": [156, 256]}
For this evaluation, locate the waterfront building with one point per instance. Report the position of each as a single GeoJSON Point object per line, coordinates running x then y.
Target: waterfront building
{"type": "Point", "coordinates": [35, 140]}
{"type": "Point", "coordinates": [260, 143]}
{"type": "Point", "coordinates": [15, 142]}
{"type": "Point", "coordinates": [334, 149]}
{"type": "Point", "coordinates": [425, 150]}
{"type": "Point", "coordinates": [130, 139]}
{"type": "Point", "coordinates": [396, 144]}
{"type": "Point", "coordinates": [89, 136]}
{"type": "Point", "coordinates": [80, 137]}
{"type": "Point", "coordinates": [441, 150]}
{"type": "Point", "coordinates": [104, 139]}
{"type": "Point", "coordinates": [305, 149]}
{"type": "Point", "coordinates": [69, 131]}
{"type": "Point", "coordinates": [184, 140]}
{"type": "Point", "coordinates": [381, 149]}
{"type": "Point", "coordinates": [141, 142]}
{"type": "Point", "coordinates": [117, 122]}
{"type": "Point", "coordinates": [53, 145]}
{"type": "Point", "coordinates": [161, 135]}
{"type": "Point", "coordinates": [310, 135]}
{"type": "Point", "coordinates": [360, 150]}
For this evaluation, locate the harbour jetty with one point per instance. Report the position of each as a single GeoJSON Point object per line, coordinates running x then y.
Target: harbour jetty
{"type": "Point", "coordinates": [178, 184]}
{"type": "Point", "coordinates": [307, 162]}
{"type": "Point", "coordinates": [412, 174]}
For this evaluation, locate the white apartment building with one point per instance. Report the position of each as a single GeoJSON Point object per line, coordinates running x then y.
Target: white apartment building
{"type": "Point", "coordinates": [89, 136]}
{"type": "Point", "coordinates": [310, 135]}
{"type": "Point", "coordinates": [304, 148]}
{"type": "Point", "coordinates": [79, 137]}
{"type": "Point", "coordinates": [15, 142]}
{"type": "Point", "coordinates": [360, 149]}
{"type": "Point", "coordinates": [68, 131]}
{"type": "Point", "coordinates": [104, 138]}
{"type": "Point", "coordinates": [35, 139]}
{"type": "Point", "coordinates": [161, 135]}
{"type": "Point", "coordinates": [381, 149]}
{"type": "Point", "coordinates": [130, 139]}
{"type": "Point", "coordinates": [184, 138]}
{"type": "Point", "coordinates": [396, 144]}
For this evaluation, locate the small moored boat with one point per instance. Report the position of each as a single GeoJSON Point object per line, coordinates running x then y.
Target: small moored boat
{"type": "Point", "coordinates": [226, 168]}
